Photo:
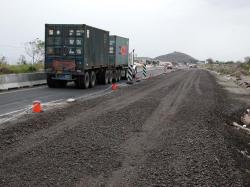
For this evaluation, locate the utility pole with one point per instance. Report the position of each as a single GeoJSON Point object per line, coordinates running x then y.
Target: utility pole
{"type": "Point", "coordinates": [133, 61]}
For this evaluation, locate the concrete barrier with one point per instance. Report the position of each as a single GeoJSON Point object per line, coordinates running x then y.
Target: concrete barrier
{"type": "Point", "coordinates": [21, 80]}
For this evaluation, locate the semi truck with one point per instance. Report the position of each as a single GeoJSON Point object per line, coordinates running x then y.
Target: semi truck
{"type": "Point", "coordinates": [83, 54]}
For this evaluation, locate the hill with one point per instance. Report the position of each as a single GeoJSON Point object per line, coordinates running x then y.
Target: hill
{"type": "Point", "coordinates": [177, 57]}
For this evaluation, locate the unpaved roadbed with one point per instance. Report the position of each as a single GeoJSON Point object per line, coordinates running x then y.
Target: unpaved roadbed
{"type": "Point", "coordinates": [166, 131]}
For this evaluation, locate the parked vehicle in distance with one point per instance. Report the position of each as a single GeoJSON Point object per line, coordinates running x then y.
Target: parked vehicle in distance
{"type": "Point", "coordinates": [192, 66]}
{"type": "Point", "coordinates": [81, 53]}
{"type": "Point", "coordinates": [169, 66]}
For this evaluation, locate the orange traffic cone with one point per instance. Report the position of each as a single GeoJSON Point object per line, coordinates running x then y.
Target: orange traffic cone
{"type": "Point", "coordinates": [36, 107]}
{"type": "Point", "coordinates": [114, 86]}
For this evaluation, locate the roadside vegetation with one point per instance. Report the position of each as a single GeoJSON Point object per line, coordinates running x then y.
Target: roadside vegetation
{"type": "Point", "coordinates": [35, 53]}
{"type": "Point", "coordinates": [20, 68]}
{"type": "Point", "coordinates": [230, 68]}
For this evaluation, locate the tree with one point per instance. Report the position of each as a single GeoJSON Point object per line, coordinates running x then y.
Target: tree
{"type": "Point", "coordinates": [35, 50]}
{"type": "Point", "coordinates": [3, 60]}
{"type": "Point", "coordinates": [210, 61]}
{"type": "Point", "coordinates": [247, 59]}
{"type": "Point", "coordinates": [22, 60]}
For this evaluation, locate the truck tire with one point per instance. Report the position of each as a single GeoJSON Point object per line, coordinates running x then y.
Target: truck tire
{"type": "Point", "coordinates": [86, 80]}
{"type": "Point", "coordinates": [125, 74]}
{"type": "Point", "coordinates": [115, 77]}
{"type": "Point", "coordinates": [79, 82]}
{"type": "Point", "coordinates": [92, 79]}
{"type": "Point", "coordinates": [50, 82]}
{"type": "Point", "coordinates": [119, 74]}
{"type": "Point", "coordinates": [110, 77]}
{"type": "Point", "coordinates": [106, 77]}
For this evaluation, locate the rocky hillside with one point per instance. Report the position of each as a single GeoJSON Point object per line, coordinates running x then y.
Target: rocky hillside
{"type": "Point", "coordinates": [177, 57]}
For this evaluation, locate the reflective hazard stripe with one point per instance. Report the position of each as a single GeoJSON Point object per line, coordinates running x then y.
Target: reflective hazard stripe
{"type": "Point", "coordinates": [144, 71]}
{"type": "Point", "coordinates": [130, 73]}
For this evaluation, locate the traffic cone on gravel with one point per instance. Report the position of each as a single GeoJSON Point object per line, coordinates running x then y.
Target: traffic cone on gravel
{"type": "Point", "coordinates": [36, 107]}
{"type": "Point", "coordinates": [114, 86]}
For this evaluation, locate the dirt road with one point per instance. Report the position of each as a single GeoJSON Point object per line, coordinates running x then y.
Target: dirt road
{"type": "Point", "coordinates": [166, 131]}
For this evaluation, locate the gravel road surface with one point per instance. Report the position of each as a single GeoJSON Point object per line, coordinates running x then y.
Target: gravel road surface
{"type": "Point", "coordinates": [166, 131]}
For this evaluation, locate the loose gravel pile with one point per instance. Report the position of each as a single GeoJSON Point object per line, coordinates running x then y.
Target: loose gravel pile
{"type": "Point", "coordinates": [166, 131]}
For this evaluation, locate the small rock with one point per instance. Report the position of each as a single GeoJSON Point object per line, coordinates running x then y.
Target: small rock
{"type": "Point", "coordinates": [70, 100]}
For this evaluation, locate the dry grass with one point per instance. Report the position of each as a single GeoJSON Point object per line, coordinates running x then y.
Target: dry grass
{"type": "Point", "coordinates": [235, 69]}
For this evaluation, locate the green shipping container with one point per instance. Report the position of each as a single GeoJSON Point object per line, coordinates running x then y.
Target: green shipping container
{"type": "Point", "coordinates": [118, 51]}
{"type": "Point", "coordinates": [75, 48]}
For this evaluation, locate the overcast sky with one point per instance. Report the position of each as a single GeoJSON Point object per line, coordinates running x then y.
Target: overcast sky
{"type": "Point", "coordinates": [219, 29]}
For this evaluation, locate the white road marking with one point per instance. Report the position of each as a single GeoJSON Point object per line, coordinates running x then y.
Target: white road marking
{"type": "Point", "coordinates": [9, 113]}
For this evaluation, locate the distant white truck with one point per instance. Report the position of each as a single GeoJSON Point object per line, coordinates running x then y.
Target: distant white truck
{"type": "Point", "coordinates": [192, 66]}
{"type": "Point", "coordinates": [168, 65]}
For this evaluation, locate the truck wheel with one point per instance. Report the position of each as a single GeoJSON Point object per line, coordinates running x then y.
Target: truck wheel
{"type": "Point", "coordinates": [50, 82]}
{"type": "Point", "coordinates": [119, 75]}
{"type": "Point", "coordinates": [115, 76]}
{"type": "Point", "coordinates": [79, 82]}
{"type": "Point", "coordinates": [92, 79]}
{"type": "Point", "coordinates": [86, 80]}
{"type": "Point", "coordinates": [125, 75]}
{"type": "Point", "coordinates": [110, 77]}
{"type": "Point", "coordinates": [106, 77]}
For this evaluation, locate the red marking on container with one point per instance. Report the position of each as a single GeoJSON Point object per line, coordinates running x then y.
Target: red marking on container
{"type": "Point", "coordinates": [60, 65]}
